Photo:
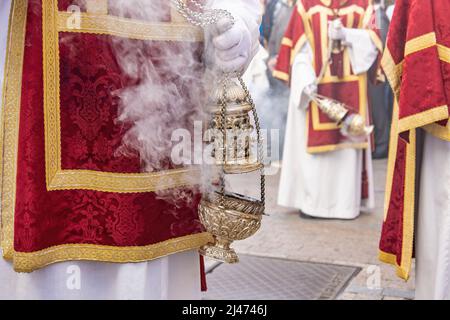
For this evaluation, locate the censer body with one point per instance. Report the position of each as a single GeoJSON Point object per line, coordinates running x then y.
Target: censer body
{"type": "Point", "coordinates": [234, 151]}
{"type": "Point", "coordinates": [228, 216]}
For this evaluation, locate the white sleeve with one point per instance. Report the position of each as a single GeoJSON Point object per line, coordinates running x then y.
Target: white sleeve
{"type": "Point", "coordinates": [250, 11]}
{"type": "Point", "coordinates": [302, 75]}
{"type": "Point", "coordinates": [363, 51]}
{"type": "Point", "coordinates": [390, 11]}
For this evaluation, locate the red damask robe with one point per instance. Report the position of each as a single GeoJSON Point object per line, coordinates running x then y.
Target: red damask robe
{"type": "Point", "coordinates": [417, 64]}
{"type": "Point", "coordinates": [309, 23]}
{"type": "Point", "coordinates": [66, 193]}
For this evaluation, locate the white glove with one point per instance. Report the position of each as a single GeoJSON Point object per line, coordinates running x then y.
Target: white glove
{"type": "Point", "coordinates": [232, 45]}
{"type": "Point", "coordinates": [310, 90]}
{"type": "Point", "coordinates": [336, 30]}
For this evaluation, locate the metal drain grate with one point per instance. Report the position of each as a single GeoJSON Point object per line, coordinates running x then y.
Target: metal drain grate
{"type": "Point", "coordinates": [261, 278]}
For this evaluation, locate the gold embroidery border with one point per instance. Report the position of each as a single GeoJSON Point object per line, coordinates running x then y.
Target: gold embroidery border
{"type": "Point", "coordinates": [420, 43]}
{"type": "Point", "coordinates": [281, 75]}
{"type": "Point", "coordinates": [335, 147]}
{"type": "Point", "coordinates": [423, 118]}
{"type": "Point", "coordinates": [56, 177]}
{"type": "Point", "coordinates": [344, 11]}
{"type": "Point", "coordinates": [444, 53]}
{"type": "Point", "coordinates": [309, 35]}
{"type": "Point", "coordinates": [391, 259]}
{"type": "Point", "coordinates": [369, 13]}
{"type": "Point", "coordinates": [393, 71]}
{"type": "Point", "coordinates": [10, 121]}
{"type": "Point", "coordinates": [393, 145]}
{"type": "Point", "coordinates": [133, 29]}
{"type": "Point", "coordinates": [29, 262]}
{"type": "Point", "coordinates": [286, 42]}
{"type": "Point", "coordinates": [376, 40]}
{"type": "Point", "coordinates": [409, 206]}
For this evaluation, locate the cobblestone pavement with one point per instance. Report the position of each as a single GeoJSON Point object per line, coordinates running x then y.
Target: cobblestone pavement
{"type": "Point", "coordinates": [285, 235]}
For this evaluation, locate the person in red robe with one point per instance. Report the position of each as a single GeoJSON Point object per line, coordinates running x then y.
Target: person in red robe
{"type": "Point", "coordinates": [67, 194]}
{"type": "Point", "coordinates": [417, 206]}
{"type": "Point", "coordinates": [330, 47]}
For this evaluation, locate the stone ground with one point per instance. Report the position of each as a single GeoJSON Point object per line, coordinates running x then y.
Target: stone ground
{"type": "Point", "coordinates": [285, 235]}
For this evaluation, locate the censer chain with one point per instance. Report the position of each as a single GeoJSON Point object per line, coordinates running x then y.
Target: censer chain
{"type": "Point", "coordinates": [223, 114]}
{"type": "Point", "coordinates": [260, 154]}
{"type": "Point", "coordinates": [203, 17]}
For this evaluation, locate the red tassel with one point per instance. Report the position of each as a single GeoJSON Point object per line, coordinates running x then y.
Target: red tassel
{"type": "Point", "coordinates": [203, 275]}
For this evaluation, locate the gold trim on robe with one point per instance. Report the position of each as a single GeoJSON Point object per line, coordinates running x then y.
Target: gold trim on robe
{"type": "Point", "coordinates": [29, 262]}
{"type": "Point", "coordinates": [132, 29]}
{"type": "Point", "coordinates": [10, 121]}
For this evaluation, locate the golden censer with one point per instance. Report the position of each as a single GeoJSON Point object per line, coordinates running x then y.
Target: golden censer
{"type": "Point", "coordinates": [229, 216]}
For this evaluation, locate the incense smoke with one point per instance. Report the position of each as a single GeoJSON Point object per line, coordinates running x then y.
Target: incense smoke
{"type": "Point", "coordinates": [169, 90]}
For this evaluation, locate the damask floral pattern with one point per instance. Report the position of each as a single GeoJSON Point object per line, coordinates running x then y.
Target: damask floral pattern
{"type": "Point", "coordinates": [90, 77]}
{"type": "Point", "coordinates": [89, 134]}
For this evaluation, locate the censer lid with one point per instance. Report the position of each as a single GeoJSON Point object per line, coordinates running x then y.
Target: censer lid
{"type": "Point", "coordinates": [236, 98]}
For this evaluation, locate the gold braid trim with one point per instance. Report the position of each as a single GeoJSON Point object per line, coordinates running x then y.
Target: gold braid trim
{"type": "Point", "coordinates": [420, 43]}
{"type": "Point", "coordinates": [334, 147]}
{"type": "Point", "coordinates": [281, 75]}
{"type": "Point", "coordinates": [10, 121]}
{"type": "Point", "coordinates": [393, 146]}
{"type": "Point", "coordinates": [29, 262]}
{"type": "Point", "coordinates": [409, 207]}
{"type": "Point", "coordinates": [444, 53]}
{"type": "Point", "coordinates": [376, 40]}
{"type": "Point", "coordinates": [129, 28]}
{"type": "Point", "coordinates": [287, 42]}
{"type": "Point", "coordinates": [423, 118]}
{"type": "Point", "coordinates": [393, 72]}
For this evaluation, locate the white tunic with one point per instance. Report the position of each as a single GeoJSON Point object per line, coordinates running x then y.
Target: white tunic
{"type": "Point", "coordinates": [173, 277]}
{"type": "Point", "coordinates": [433, 225]}
{"type": "Point", "coordinates": [324, 185]}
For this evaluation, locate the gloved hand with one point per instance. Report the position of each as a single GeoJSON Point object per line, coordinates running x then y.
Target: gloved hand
{"type": "Point", "coordinates": [336, 30]}
{"type": "Point", "coordinates": [232, 45]}
{"type": "Point", "coordinates": [310, 90]}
